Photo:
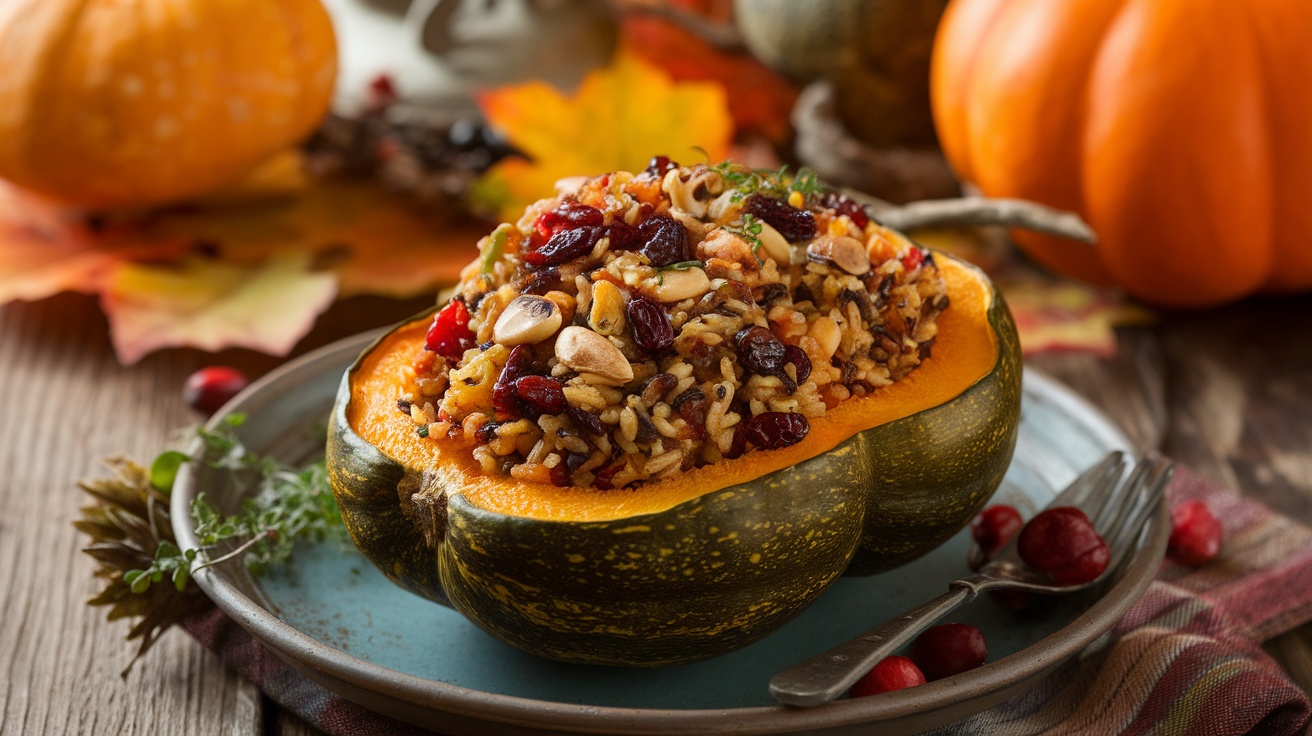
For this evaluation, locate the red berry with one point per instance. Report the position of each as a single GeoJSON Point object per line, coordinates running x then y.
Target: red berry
{"type": "Point", "coordinates": [913, 258]}
{"type": "Point", "coordinates": [1062, 542]}
{"type": "Point", "coordinates": [1195, 534]}
{"type": "Point", "coordinates": [949, 649]}
{"type": "Point", "coordinates": [993, 527]}
{"type": "Point", "coordinates": [210, 388]}
{"type": "Point", "coordinates": [450, 336]}
{"type": "Point", "coordinates": [893, 673]}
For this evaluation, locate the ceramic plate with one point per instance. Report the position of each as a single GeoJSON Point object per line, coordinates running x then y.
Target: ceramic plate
{"type": "Point", "coordinates": [336, 619]}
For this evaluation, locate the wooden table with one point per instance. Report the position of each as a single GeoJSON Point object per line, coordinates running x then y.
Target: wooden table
{"type": "Point", "coordinates": [1228, 392]}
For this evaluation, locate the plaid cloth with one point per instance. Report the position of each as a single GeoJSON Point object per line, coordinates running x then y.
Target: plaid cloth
{"type": "Point", "coordinates": [1184, 660]}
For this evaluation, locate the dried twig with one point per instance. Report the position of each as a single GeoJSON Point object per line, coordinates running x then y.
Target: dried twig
{"type": "Point", "coordinates": [968, 211]}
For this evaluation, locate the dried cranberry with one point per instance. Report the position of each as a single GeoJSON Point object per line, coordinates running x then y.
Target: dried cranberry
{"type": "Point", "coordinates": [652, 329]}
{"type": "Point", "coordinates": [1062, 542]}
{"type": "Point", "coordinates": [540, 395]}
{"type": "Point", "coordinates": [1195, 534]}
{"type": "Point", "coordinates": [772, 430]}
{"type": "Point", "coordinates": [912, 259]}
{"type": "Point", "coordinates": [505, 400]}
{"type": "Point", "coordinates": [565, 245]}
{"type": "Point", "coordinates": [760, 351]}
{"type": "Point", "coordinates": [210, 388]}
{"type": "Point", "coordinates": [892, 673]}
{"type": "Point", "coordinates": [845, 205]}
{"type": "Point", "coordinates": [664, 241]}
{"type": "Point", "coordinates": [586, 422]}
{"type": "Point", "coordinates": [794, 224]}
{"type": "Point", "coordinates": [797, 357]}
{"type": "Point", "coordinates": [623, 236]}
{"type": "Point", "coordinates": [949, 649]}
{"type": "Point", "coordinates": [568, 216]}
{"type": "Point", "coordinates": [993, 527]}
{"type": "Point", "coordinates": [450, 336]}
{"type": "Point", "coordinates": [660, 166]}
{"type": "Point", "coordinates": [739, 444]}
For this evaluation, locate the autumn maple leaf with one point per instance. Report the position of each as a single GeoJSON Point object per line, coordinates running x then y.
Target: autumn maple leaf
{"type": "Point", "coordinates": [617, 119]}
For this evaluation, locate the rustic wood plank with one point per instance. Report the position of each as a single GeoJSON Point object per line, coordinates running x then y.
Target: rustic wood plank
{"type": "Point", "coordinates": [68, 404]}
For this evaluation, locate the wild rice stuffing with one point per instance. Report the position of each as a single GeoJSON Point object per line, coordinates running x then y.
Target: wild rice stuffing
{"type": "Point", "coordinates": [640, 325]}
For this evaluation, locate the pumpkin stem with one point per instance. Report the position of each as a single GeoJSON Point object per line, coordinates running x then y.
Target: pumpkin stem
{"type": "Point", "coordinates": [968, 211]}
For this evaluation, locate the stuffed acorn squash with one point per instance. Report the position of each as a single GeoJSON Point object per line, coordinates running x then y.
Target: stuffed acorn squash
{"type": "Point", "coordinates": [665, 411]}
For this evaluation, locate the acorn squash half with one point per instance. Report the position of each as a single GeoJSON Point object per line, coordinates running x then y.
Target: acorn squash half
{"type": "Point", "coordinates": [696, 566]}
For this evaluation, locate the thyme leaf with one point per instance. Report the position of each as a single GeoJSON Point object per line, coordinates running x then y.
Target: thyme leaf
{"type": "Point", "coordinates": [132, 536]}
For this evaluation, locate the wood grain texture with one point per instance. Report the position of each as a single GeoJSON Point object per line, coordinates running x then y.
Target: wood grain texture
{"type": "Point", "coordinates": [67, 404]}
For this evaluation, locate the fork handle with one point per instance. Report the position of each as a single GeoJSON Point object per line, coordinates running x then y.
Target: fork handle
{"type": "Point", "coordinates": [824, 677]}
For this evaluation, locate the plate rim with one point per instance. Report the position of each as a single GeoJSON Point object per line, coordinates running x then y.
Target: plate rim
{"type": "Point", "coordinates": [327, 664]}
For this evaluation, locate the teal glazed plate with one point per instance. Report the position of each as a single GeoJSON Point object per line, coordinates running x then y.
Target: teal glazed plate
{"type": "Point", "coordinates": [338, 621]}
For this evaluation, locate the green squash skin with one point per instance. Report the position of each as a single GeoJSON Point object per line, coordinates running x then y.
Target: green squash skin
{"type": "Point", "coordinates": [937, 468]}
{"type": "Point", "coordinates": [707, 576]}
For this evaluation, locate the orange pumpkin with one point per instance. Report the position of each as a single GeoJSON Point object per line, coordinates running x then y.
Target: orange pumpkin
{"type": "Point", "coordinates": [1180, 129]}
{"type": "Point", "coordinates": [110, 102]}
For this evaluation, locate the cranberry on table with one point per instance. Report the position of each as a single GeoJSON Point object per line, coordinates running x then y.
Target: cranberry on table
{"type": "Point", "coordinates": [1062, 542]}
{"type": "Point", "coordinates": [993, 527]}
{"type": "Point", "coordinates": [1195, 534]}
{"type": "Point", "coordinates": [949, 649]}
{"type": "Point", "coordinates": [892, 673]}
{"type": "Point", "coordinates": [210, 388]}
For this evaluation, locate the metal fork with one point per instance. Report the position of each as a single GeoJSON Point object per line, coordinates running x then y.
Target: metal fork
{"type": "Point", "coordinates": [1119, 505]}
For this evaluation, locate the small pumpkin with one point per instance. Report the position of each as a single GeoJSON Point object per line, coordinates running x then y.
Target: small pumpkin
{"type": "Point", "coordinates": [698, 565]}
{"type": "Point", "coordinates": [1179, 131]}
{"type": "Point", "coordinates": [131, 103]}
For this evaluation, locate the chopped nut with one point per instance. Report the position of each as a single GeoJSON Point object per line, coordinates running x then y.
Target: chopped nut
{"type": "Point", "coordinates": [607, 314]}
{"type": "Point", "coordinates": [846, 253]}
{"type": "Point", "coordinates": [527, 320]}
{"type": "Point", "coordinates": [826, 332]}
{"type": "Point", "coordinates": [584, 351]}
{"type": "Point", "coordinates": [726, 246]}
{"type": "Point", "coordinates": [773, 244]}
{"type": "Point", "coordinates": [676, 286]}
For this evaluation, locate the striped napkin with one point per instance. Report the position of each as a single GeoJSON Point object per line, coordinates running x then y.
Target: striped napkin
{"type": "Point", "coordinates": [1184, 660]}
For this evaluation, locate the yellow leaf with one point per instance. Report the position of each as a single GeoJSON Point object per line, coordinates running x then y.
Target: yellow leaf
{"type": "Point", "coordinates": [617, 120]}
{"type": "Point", "coordinates": [212, 305]}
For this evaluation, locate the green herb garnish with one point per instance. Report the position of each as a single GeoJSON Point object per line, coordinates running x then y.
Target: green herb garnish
{"type": "Point", "coordinates": [748, 228]}
{"type": "Point", "coordinates": [132, 536]}
{"type": "Point", "coordinates": [775, 183]}
{"type": "Point", "coordinates": [495, 249]}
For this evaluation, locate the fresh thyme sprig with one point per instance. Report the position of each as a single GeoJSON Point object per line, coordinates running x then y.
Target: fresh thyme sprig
{"type": "Point", "coordinates": [749, 229]}
{"type": "Point", "coordinates": [746, 181]}
{"type": "Point", "coordinates": [290, 505]}
{"type": "Point", "coordinates": [132, 538]}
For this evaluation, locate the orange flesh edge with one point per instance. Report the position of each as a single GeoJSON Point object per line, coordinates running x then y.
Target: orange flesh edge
{"type": "Point", "coordinates": [965, 351]}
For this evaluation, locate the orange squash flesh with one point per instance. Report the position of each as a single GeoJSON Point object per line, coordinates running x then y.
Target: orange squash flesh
{"type": "Point", "coordinates": [964, 352]}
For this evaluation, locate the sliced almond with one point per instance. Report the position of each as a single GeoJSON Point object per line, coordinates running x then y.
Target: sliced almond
{"type": "Point", "coordinates": [584, 351]}
{"type": "Point", "coordinates": [846, 253]}
{"type": "Point", "coordinates": [527, 320]}
{"type": "Point", "coordinates": [773, 244]}
{"type": "Point", "coordinates": [675, 286]}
